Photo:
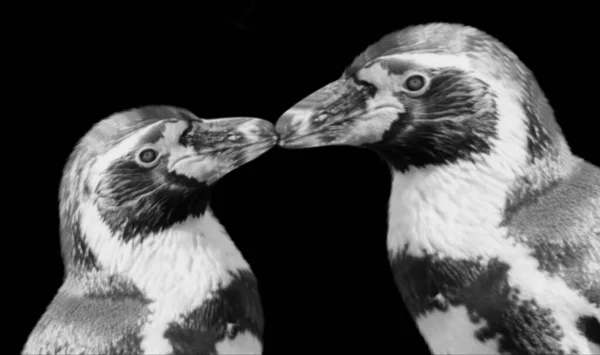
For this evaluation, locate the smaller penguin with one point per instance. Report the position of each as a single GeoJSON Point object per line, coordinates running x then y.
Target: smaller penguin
{"type": "Point", "coordinates": [148, 267]}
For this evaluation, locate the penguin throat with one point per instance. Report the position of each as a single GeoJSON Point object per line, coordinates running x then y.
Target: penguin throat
{"type": "Point", "coordinates": [462, 210]}
{"type": "Point", "coordinates": [192, 257]}
{"type": "Point", "coordinates": [450, 211]}
{"type": "Point", "coordinates": [177, 269]}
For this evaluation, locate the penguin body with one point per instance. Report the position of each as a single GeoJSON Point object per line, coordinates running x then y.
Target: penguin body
{"type": "Point", "coordinates": [493, 232]}
{"type": "Point", "coordinates": [148, 267]}
{"type": "Point", "coordinates": [531, 294]}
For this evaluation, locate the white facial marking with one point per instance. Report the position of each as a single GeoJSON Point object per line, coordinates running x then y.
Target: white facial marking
{"type": "Point", "coordinates": [377, 75]}
{"type": "Point", "coordinates": [173, 131]}
{"type": "Point", "coordinates": [202, 167]}
{"type": "Point", "coordinates": [369, 128]}
{"type": "Point", "coordinates": [176, 269]}
{"type": "Point", "coordinates": [453, 332]}
{"type": "Point", "coordinates": [243, 343]}
{"type": "Point", "coordinates": [387, 85]}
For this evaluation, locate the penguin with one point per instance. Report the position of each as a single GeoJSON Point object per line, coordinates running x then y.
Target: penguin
{"type": "Point", "coordinates": [494, 224]}
{"type": "Point", "coordinates": [148, 267]}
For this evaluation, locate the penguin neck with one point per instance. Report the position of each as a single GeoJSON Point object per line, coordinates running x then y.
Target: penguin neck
{"type": "Point", "coordinates": [180, 264]}
{"type": "Point", "coordinates": [460, 210]}
{"type": "Point", "coordinates": [446, 210]}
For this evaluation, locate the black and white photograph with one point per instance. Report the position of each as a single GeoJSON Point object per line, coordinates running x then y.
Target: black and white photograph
{"type": "Point", "coordinates": [281, 178]}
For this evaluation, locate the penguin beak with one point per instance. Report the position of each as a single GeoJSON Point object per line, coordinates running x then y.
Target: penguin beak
{"type": "Point", "coordinates": [222, 145]}
{"type": "Point", "coordinates": [341, 113]}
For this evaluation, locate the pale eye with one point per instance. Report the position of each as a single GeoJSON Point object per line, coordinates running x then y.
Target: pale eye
{"type": "Point", "coordinates": [415, 82]}
{"type": "Point", "coordinates": [147, 156]}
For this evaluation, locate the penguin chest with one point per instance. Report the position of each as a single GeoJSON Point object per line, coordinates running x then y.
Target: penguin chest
{"type": "Point", "coordinates": [229, 321]}
{"type": "Point", "coordinates": [470, 306]}
{"type": "Point", "coordinates": [454, 331]}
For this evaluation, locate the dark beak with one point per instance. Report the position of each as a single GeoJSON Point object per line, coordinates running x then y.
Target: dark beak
{"type": "Point", "coordinates": [232, 133]}
{"type": "Point", "coordinates": [342, 113]}
{"type": "Point", "coordinates": [326, 117]}
{"type": "Point", "coordinates": [221, 145]}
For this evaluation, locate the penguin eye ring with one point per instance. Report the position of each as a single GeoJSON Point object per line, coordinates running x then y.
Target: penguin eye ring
{"type": "Point", "coordinates": [147, 156]}
{"type": "Point", "coordinates": [416, 83]}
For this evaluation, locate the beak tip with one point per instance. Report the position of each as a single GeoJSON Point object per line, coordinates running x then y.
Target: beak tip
{"type": "Point", "coordinates": [265, 130]}
{"type": "Point", "coordinates": [286, 125]}
{"type": "Point", "coordinates": [282, 122]}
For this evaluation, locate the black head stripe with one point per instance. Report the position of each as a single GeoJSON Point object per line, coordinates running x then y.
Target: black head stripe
{"type": "Point", "coordinates": [453, 120]}
{"type": "Point", "coordinates": [453, 93]}
{"type": "Point", "coordinates": [590, 328]}
{"type": "Point", "coordinates": [135, 201]}
{"type": "Point", "coordinates": [395, 67]}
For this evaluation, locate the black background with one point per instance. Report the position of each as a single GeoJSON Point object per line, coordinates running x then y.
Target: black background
{"type": "Point", "coordinates": [311, 223]}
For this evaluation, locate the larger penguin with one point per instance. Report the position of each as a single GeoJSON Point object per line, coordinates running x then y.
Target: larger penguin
{"type": "Point", "coordinates": [494, 225]}
{"type": "Point", "coordinates": [148, 267]}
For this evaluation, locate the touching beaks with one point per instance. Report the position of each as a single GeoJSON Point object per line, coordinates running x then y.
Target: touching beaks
{"type": "Point", "coordinates": [224, 144]}
{"type": "Point", "coordinates": [341, 113]}
{"type": "Point", "coordinates": [230, 133]}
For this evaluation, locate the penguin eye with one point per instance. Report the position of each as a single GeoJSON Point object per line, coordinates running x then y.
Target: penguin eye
{"type": "Point", "coordinates": [147, 156]}
{"type": "Point", "coordinates": [415, 83]}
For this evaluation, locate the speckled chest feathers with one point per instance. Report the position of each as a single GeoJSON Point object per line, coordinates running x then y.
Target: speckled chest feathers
{"type": "Point", "coordinates": [149, 269]}
{"type": "Point", "coordinates": [494, 225]}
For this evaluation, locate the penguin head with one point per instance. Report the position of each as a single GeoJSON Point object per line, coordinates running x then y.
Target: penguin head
{"type": "Point", "coordinates": [429, 95]}
{"type": "Point", "coordinates": [144, 170]}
